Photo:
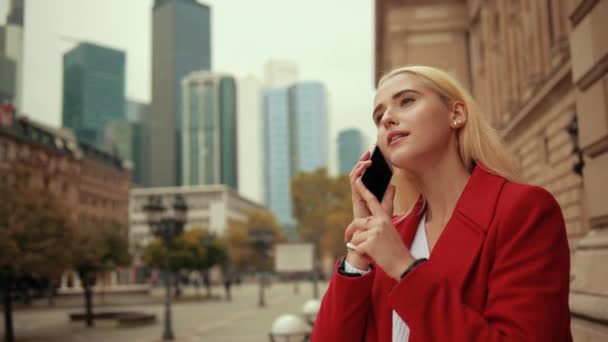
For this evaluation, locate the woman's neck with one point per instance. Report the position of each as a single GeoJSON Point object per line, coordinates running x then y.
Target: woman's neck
{"type": "Point", "coordinates": [441, 186]}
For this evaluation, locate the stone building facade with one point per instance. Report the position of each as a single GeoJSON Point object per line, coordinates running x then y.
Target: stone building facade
{"type": "Point", "coordinates": [92, 185]}
{"type": "Point", "coordinates": [539, 70]}
{"type": "Point", "coordinates": [47, 157]}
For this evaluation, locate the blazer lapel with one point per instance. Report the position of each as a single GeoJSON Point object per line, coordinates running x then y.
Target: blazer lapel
{"type": "Point", "coordinates": [459, 244]}
{"type": "Point", "coordinates": [407, 224]}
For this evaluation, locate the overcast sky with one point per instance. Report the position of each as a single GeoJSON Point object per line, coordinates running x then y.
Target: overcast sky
{"type": "Point", "coordinates": [330, 41]}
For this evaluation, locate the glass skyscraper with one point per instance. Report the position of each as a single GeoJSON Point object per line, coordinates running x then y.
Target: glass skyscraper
{"type": "Point", "coordinates": [93, 90]}
{"type": "Point", "coordinates": [181, 44]}
{"type": "Point", "coordinates": [295, 140]}
{"type": "Point", "coordinates": [350, 149]}
{"type": "Point", "coordinates": [277, 156]}
{"type": "Point", "coordinates": [308, 136]}
{"type": "Point", "coordinates": [209, 139]}
{"type": "Point", "coordinates": [11, 55]}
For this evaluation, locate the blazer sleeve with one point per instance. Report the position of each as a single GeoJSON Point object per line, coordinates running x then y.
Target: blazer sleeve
{"type": "Point", "coordinates": [528, 285]}
{"type": "Point", "coordinates": [345, 308]}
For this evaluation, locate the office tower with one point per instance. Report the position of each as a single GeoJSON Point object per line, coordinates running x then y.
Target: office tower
{"type": "Point", "coordinates": [93, 90]}
{"type": "Point", "coordinates": [209, 129]}
{"type": "Point", "coordinates": [280, 73]}
{"type": "Point", "coordinates": [350, 149]}
{"type": "Point", "coordinates": [249, 132]}
{"type": "Point", "coordinates": [11, 55]}
{"type": "Point", "coordinates": [277, 158]}
{"type": "Point", "coordinates": [181, 44]}
{"type": "Point", "coordinates": [308, 135]}
{"type": "Point", "coordinates": [295, 140]}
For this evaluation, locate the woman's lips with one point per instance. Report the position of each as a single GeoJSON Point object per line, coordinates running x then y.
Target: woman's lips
{"type": "Point", "coordinates": [396, 138]}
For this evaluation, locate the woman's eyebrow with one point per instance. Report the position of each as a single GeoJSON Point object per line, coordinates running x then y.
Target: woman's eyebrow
{"type": "Point", "coordinates": [395, 96]}
{"type": "Point", "coordinates": [404, 91]}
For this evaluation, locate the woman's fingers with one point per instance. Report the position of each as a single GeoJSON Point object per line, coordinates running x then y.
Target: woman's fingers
{"type": "Point", "coordinates": [365, 156]}
{"type": "Point", "coordinates": [388, 200]}
{"type": "Point", "coordinates": [360, 236]}
{"type": "Point", "coordinates": [370, 199]}
{"type": "Point", "coordinates": [358, 170]}
{"type": "Point", "coordinates": [356, 225]}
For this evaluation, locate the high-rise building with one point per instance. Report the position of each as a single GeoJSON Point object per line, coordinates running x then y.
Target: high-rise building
{"type": "Point", "coordinates": [295, 140]}
{"type": "Point", "coordinates": [209, 136]}
{"type": "Point", "coordinates": [350, 149]}
{"type": "Point", "coordinates": [308, 133]}
{"type": "Point", "coordinates": [249, 128]}
{"type": "Point", "coordinates": [126, 138]}
{"type": "Point", "coordinates": [181, 44]}
{"type": "Point", "coordinates": [93, 90]}
{"type": "Point", "coordinates": [136, 111]}
{"type": "Point", "coordinates": [139, 153]}
{"type": "Point", "coordinates": [277, 154]}
{"type": "Point", "coordinates": [11, 55]}
{"type": "Point", "coordinates": [280, 73]}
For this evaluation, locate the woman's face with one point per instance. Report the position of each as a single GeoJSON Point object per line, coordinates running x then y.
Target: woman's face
{"type": "Point", "coordinates": [415, 128]}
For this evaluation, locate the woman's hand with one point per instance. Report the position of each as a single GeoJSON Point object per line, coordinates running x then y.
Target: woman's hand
{"type": "Point", "coordinates": [375, 236]}
{"type": "Point", "coordinates": [360, 210]}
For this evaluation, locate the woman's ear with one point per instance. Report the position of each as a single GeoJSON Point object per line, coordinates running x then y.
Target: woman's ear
{"type": "Point", "coordinates": [459, 114]}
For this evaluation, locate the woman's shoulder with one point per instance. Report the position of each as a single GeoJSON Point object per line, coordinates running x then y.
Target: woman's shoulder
{"type": "Point", "coordinates": [520, 193]}
{"type": "Point", "coordinates": [519, 201]}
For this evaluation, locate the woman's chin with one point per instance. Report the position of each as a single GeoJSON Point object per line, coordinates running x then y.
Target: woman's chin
{"type": "Point", "coordinates": [404, 160]}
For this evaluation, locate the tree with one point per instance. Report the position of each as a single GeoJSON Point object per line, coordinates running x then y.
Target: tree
{"type": "Point", "coordinates": [323, 209]}
{"type": "Point", "coordinates": [34, 229]}
{"type": "Point", "coordinates": [310, 196]}
{"type": "Point", "coordinates": [195, 250]}
{"type": "Point", "coordinates": [206, 251]}
{"type": "Point", "coordinates": [241, 252]}
{"type": "Point", "coordinates": [98, 248]}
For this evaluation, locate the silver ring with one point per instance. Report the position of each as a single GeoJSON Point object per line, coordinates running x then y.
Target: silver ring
{"type": "Point", "coordinates": [351, 247]}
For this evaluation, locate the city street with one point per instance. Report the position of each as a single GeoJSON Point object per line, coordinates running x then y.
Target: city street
{"type": "Point", "coordinates": [218, 320]}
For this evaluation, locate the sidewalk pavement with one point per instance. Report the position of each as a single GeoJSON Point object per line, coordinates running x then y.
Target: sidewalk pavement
{"type": "Point", "coordinates": [211, 320]}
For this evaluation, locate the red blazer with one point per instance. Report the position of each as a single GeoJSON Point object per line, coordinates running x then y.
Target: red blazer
{"type": "Point", "coordinates": [498, 272]}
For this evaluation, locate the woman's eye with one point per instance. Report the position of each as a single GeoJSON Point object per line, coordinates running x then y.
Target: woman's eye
{"type": "Point", "coordinates": [407, 100]}
{"type": "Point", "coordinates": [377, 118]}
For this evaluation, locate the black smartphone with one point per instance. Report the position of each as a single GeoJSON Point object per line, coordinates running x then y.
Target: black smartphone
{"type": "Point", "coordinates": [377, 177]}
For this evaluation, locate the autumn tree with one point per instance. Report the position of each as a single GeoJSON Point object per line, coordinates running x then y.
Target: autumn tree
{"type": "Point", "coordinates": [195, 250]}
{"type": "Point", "coordinates": [339, 216]}
{"type": "Point", "coordinates": [323, 209]}
{"type": "Point", "coordinates": [310, 197]}
{"type": "Point", "coordinates": [34, 232]}
{"type": "Point", "coordinates": [241, 251]}
{"type": "Point", "coordinates": [98, 248]}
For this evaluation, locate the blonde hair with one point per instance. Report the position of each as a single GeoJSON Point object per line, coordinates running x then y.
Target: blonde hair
{"type": "Point", "coordinates": [478, 143]}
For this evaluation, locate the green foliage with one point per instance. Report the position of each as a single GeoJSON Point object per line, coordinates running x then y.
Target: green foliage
{"type": "Point", "coordinates": [98, 248]}
{"type": "Point", "coordinates": [196, 249]}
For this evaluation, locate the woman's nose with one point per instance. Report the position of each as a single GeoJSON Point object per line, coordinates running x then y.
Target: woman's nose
{"type": "Point", "coordinates": [388, 118]}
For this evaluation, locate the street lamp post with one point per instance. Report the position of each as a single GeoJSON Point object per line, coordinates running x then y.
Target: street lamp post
{"type": "Point", "coordinates": [261, 239]}
{"type": "Point", "coordinates": [166, 226]}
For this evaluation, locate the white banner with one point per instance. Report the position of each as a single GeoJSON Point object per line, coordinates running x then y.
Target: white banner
{"type": "Point", "coordinates": [294, 257]}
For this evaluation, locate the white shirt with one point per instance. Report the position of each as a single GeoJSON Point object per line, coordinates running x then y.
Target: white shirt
{"type": "Point", "coordinates": [419, 249]}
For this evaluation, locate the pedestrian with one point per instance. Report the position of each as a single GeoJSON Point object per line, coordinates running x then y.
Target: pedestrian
{"type": "Point", "coordinates": [227, 285]}
{"type": "Point", "coordinates": [479, 256]}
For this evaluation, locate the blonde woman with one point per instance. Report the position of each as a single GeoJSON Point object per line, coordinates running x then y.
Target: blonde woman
{"type": "Point", "coordinates": [479, 257]}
